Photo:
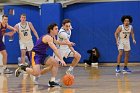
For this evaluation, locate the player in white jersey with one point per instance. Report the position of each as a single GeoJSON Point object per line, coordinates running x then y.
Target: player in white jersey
{"type": "Point", "coordinates": [24, 29]}
{"type": "Point", "coordinates": [122, 36]}
{"type": "Point", "coordinates": [64, 50]}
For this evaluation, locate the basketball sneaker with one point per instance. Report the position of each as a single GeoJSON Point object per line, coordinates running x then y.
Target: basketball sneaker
{"type": "Point", "coordinates": [7, 71]}
{"type": "Point", "coordinates": [118, 70]}
{"type": "Point", "coordinates": [126, 70]}
{"type": "Point", "coordinates": [20, 69]}
{"type": "Point", "coordinates": [53, 84]}
{"type": "Point", "coordinates": [18, 72]}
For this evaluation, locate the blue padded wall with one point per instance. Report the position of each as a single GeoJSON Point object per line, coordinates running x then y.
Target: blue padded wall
{"type": "Point", "coordinates": [94, 26]}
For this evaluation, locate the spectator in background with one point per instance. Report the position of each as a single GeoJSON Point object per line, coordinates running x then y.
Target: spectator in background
{"type": "Point", "coordinates": [93, 58]}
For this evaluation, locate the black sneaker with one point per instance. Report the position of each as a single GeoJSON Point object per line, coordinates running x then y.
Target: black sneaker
{"type": "Point", "coordinates": [53, 84]}
{"type": "Point", "coordinates": [18, 72]}
{"type": "Point", "coordinates": [23, 67]}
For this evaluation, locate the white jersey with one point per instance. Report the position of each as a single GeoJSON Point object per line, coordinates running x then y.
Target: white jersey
{"type": "Point", "coordinates": [124, 34]}
{"type": "Point", "coordinates": [63, 35]}
{"type": "Point", "coordinates": [24, 32]}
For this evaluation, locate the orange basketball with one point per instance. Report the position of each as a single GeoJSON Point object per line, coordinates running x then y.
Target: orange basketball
{"type": "Point", "coordinates": [68, 79]}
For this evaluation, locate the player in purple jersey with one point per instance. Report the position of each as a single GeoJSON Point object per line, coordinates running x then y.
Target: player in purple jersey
{"type": "Point", "coordinates": [3, 26]}
{"type": "Point", "coordinates": [39, 57]}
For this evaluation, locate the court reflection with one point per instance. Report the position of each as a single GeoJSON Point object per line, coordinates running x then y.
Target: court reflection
{"type": "Point", "coordinates": [123, 84]}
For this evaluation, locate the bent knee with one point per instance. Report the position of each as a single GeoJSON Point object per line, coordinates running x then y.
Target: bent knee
{"type": "Point", "coordinates": [78, 56]}
{"type": "Point", "coordinates": [53, 62]}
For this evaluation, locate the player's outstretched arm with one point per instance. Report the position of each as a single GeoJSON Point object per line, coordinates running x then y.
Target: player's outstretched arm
{"type": "Point", "coordinates": [48, 39]}
{"type": "Point", "coordinates": [63, 42]}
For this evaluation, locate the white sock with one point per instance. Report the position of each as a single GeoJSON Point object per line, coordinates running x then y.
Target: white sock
{"type": "Point", "coordinates": [71, 68]}
{"type": "Point", "coordinates": [52, 79]}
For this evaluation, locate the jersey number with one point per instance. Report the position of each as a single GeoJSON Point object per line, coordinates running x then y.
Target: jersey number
{"type": "Point", "coordinates": [125, 36]}
{"type": "Point", "coordinates": [25, 33]}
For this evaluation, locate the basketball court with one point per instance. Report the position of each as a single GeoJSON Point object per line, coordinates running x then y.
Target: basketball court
{"type": "Point", "coordinates": [87, 80]}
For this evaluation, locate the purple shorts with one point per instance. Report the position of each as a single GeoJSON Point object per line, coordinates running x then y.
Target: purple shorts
{"type": "Point", "coordinates": [2, 46]}
{"type": "Point", "coordinates": [38, 59]}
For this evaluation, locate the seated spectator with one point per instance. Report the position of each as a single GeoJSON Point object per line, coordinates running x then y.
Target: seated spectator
{"type": "Point", "coordinates": [93, 58]}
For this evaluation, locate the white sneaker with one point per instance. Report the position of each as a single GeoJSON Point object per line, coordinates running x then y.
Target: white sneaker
{"type": "Point", "coordinates": [94, 64]}
{"type": "Point", "coordinates": [7, 71]}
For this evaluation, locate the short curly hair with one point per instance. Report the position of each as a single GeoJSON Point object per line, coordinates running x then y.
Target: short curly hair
{"type": "Point", "coordinates": [51, 26]}
{"type": "Point", "coordinates": [127, 17]}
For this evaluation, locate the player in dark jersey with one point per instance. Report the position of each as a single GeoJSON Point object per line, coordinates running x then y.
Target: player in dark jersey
{"type": "Point", "coordinates": [39, 57]}
{"type": "Point", "coordinates": [3, 26]}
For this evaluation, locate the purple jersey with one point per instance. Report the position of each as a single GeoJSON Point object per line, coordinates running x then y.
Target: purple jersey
{"type": "Point", "coordinates": [2, 31]}
{"type": "Point", "coordinates": [40, 47]}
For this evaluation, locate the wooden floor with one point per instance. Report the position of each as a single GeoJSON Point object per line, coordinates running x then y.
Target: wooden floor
{"type": "Point", "coordinates": [87, 80]}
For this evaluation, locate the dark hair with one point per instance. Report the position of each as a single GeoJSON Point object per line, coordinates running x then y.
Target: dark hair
{"type": "Point", "coordinates": [66, 21]}
{"type": "Point", "coordinates": [51, 26]}
{"type": "Point", "coordinates": [97, 51]}
{"type": "Point", "coordinates": [23, 14]}
{"type": "Point", "coordinates": [127, 17]}
{"type": "Point", "coordinates": [4, 16]}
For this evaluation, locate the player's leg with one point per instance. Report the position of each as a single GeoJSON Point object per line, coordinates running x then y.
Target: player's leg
{"type": "Point", "coordinates": [53, 67]}
{"type": "Point", "coordinates": [23, 52]}
{"type": "Point", "coordinates": [118, 70]}
{"type": "Point", "coordinates": [120, 53]}
{"type": "Point", "coordinates": [126, 58]}
{"type": "Point", "coordinates": [29, 46]}
{"type": "Point", "coordinates": [127, 52]}
{"type": "Point", "coordinates": [76, 59]}
{"type": "Point", "coordinates": [35, 61]}
{"type": "Point", "coordinates": [4, 59]}
{"type": "Point", "coordinates": [34, 70]}
{"type": "Point", "coordinates": [44, 70]}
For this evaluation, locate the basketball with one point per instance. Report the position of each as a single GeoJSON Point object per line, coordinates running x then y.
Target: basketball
{"type": "Point", "coordinates": [68, 80]}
